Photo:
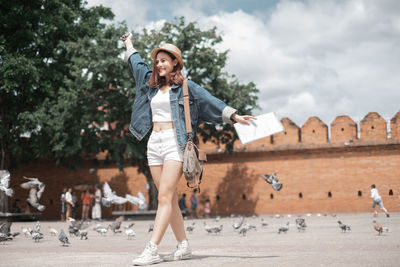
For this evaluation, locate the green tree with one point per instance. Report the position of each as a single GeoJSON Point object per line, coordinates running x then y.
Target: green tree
{"type": "Point", "coordinates": [34, 69]}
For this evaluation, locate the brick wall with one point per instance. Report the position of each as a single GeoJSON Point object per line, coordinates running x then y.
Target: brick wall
{"type": "Point", "coordinates": [330, 175]}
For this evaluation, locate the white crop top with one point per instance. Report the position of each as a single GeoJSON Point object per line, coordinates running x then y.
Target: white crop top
{"type": "Point", "coordinates": [161, 107]}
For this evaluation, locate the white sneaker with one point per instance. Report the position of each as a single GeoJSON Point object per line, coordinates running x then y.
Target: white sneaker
{"type": "Point", "coordinates": [182, 252]}
{"type": "Point", "coordinates": [148, 256]}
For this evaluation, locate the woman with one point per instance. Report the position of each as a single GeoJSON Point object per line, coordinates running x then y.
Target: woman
{"type": "Point", "coordinates": [63, 204]}
{"type": "Point", "coordinates": [159, 106]}
{"type": "Point", "coordinates": [86, 203]}
{"type": "Point", "coordinates": [70, 203]}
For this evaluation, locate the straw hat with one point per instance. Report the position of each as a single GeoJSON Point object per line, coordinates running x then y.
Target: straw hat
{"type": "Point", "coordinates": [171, 49]}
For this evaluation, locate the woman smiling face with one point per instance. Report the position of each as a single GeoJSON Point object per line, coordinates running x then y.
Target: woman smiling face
{"type": "Point", "coordinates": [165, 64]}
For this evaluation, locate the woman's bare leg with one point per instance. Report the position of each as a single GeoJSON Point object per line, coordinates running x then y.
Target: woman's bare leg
{"type": "Point", "coordinates": [166, 179]}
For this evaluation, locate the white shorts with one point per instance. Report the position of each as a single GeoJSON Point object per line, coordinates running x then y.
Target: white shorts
{"type": "Point", "coordinates": [162, 146]}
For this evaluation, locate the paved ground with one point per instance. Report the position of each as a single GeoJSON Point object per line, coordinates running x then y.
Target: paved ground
{"type": "Point", "coordinates": [322, 244]}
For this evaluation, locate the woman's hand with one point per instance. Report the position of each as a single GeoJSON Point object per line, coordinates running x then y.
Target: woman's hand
{"type": "Point", "coordinates": [243, 118]}
{"type": "Point", "coordinates": [127, 40]}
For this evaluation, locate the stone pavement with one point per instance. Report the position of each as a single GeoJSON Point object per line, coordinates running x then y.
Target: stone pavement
{"type": "Point", "coordinates": [322, 244]}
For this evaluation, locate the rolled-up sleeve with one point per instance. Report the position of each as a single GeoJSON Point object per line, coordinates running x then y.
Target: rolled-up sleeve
{"type": "Point", "coordinates": [213, 109]}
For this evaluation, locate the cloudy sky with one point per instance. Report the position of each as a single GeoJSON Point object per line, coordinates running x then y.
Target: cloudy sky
{"type": "Point", "coordinates": [308, 58]}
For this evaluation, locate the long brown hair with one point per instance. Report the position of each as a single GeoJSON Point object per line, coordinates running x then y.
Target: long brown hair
{"type": "Point", "coordinates": [176, 75]}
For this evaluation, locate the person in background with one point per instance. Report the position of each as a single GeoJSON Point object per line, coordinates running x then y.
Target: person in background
{"type": "Point", "coordinates": [377, 200]}
{"type": "Point", "coordinates": [70, 203]}
{"type": "Point", "coordinates": [63, 204]}
{"type": "Point", "coordinates": [194, 202]}
{"type": "Point", "coordinates": [96, 209]}
{"type": "Point", "coordinates": [86, 204]}
{"type": "Point", "coordinates": [207, 208]}
{"type": "Point", "coordinates": [182, 204]}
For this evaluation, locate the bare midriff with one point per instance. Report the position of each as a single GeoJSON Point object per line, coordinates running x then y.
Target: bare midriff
{"type": "Point", "coordinates": [161, 126]}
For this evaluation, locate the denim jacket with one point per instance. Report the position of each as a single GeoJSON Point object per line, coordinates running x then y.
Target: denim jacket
{"type": "Point", "coordinates": [203, 106]}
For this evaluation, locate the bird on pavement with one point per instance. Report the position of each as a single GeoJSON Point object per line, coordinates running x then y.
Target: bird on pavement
{"type": "Point", "coordinates": [284, 229]}
{"type": "Point", "coordinates": [301, 224]}
{"type": "Point", "coordinates": [379, 227]}
{"type": "Point", "coordinates": [63, 238]}
{"type": "Point", "coordinates": [344, 227]}
{"type": "Point", "coordinates": [130, 233]}
{"type": "Point", "coordinates": [53, 232]}
{"type": "Point", "coordinates": [190, 228]}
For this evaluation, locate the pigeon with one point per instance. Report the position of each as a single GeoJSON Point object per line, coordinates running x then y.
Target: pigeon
{"type": "Point", "coordinates": [217, 218]}
{"type": "Point", "coordinates": [140, 200]}
{"type": "Point", "coordinates": [151, 227]}
{"type": "Point", "coordinates": [73, 231]}
{"type": "Point", "coordinates": [36, 189]}
{"type": "Point", "coordinates": [129, 226]}
{"type": "Point", "coordinates": [301, 224]}
{"type": "Point", "coordinates": [243, 231]}
{"type": "Point", "coordinates": [63, 238]}
{"type": "Point", "coordinates": [37, 227]}
{"type": "Point", "coordinates": [5, 183]}
{"type": "Point", "coordinates": [246, 227]}
{"type": "Point", "coordinates": [249, 226]}
{"type": "Point", "coordinates": [5, 231]}
{"type": "Point", "coordinates": [26, 231]}
{"type": "Point", "coordinates": [53, 232]}
{"type": "Point", "coordinates": [284, 229]}
{"type": "Point", "coordinates": [102, 230]}
{"type": "Point", "coordinates": [116, 225]}
{"type": "Point", "coordinates": [263, 223]}
{"type": "Point", "coordinates": [344, 227]}
{"type": "Point", "coordinates": [237, 225]}
{"type": "Point", "coordinates": [190, 228]}
{"type": "Point", "coordinates": [379, 227]}
{"type": "Point", "coordinates": [271, 179]}
{"type": "Point", "coordinates": [110, 197]}
{"type": "Point", "coordinates": [83, 234]}
{"type": "Point", "coordinates": [36, 236]}
{"type": "Point", "coordinates": [130, 233]}
{"type": "Point", "coordinates": [4, 237]}
{"type": "Point", "coordinates": [213, 230]}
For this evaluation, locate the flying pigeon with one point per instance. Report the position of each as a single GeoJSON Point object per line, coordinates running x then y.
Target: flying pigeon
{"type": "Point", "coordinates": [36, 189]}
{"type": "Point", "coordinates": [63, 238]}
{"type": "Point", "coordinates": [110, 197]}
{"type": "Point", "coordinates": [271, 179]}
{"type": "Point", "coordinates": [284, 229]}
{"type": "Point", "coordinates": [5, 183]}
{"type": "Point", "coordinates": [140, 200]}
{"type": "Point", "coordinates": [344, 227]}
{"type": "Point", "coordinates": [379, 227]}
